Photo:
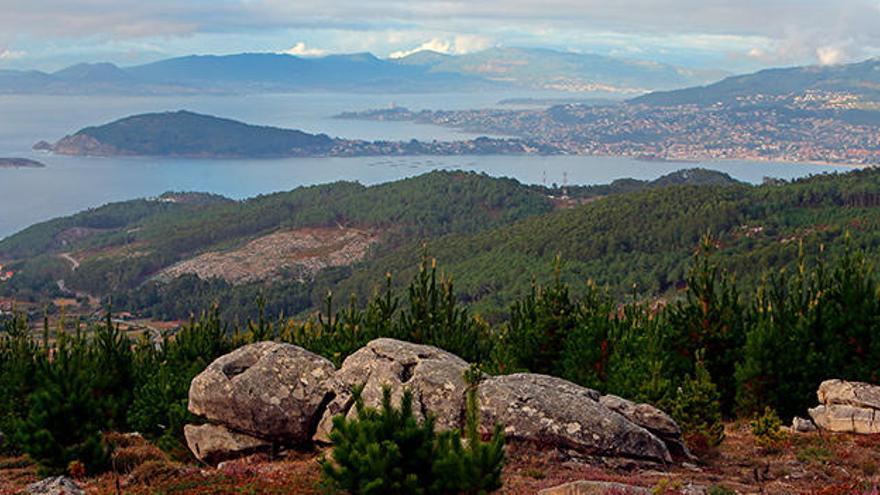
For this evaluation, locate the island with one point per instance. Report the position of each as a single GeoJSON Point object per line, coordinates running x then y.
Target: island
{"type": "Point", "coordinates": [20, 163]}
{"type": "Point", "coordinates": [192, 135]}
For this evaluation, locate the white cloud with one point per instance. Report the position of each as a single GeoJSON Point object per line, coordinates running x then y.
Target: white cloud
{"type": "Point", "coordinates": [458, 45]}
{"type": "Point", "coordinates": [829, 55]}
{"type": "Point", "coordinates": [300, 49]}
{"type": "Point", "coordinates": [434, 45]}
{"type": "Point", "coordinates": [11, 54]}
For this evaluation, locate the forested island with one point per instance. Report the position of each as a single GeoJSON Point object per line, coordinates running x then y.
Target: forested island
{"type": "Point", "coordinates": [192, 135]}
{"type": "Point", "coordinates": [20, 163]}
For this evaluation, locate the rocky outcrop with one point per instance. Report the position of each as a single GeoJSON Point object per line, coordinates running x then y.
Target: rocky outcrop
{"type": "Point", "coordinates": [594, 488]}
{"type": "Point", "coordinates": [652, 419]}
{"type": "Point", "coordinates": [851, 407]}
{"type": "Point", "coordinates": [269, 394]}
{"type": "Point", "coordinates": [59, 485]}
{"type": "Point", "coordinates": [268, 390]}
{"type": "Point", "coordinates": [856, 394]}
{"type": "Point", "coordinates": [213, 444]}
{"type": "Point", "coordinates": [435, 378]}
{"type": "Point", "coordinates": [84, 145]}
{"type": "Point", "coordinates": [552, 411]}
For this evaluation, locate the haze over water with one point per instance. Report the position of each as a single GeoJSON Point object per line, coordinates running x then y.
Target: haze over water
{"type": "Point", "coordinates": [71, 184]}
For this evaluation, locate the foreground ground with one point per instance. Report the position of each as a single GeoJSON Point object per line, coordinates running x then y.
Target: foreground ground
{"type": "Point", "coordinates": [804, 463]}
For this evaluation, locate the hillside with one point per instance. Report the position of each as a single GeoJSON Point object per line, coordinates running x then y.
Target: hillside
{"type": "Point", "coordinates": [494, 235]}
{"type": "Point", "coordinates": [861, 79]}
{"type": "Point", "coordinates": [641, 242]}
{"type": "Point", "coordinates": [185, 133]}
{"type": "Point", "coordinates": [135, 240]}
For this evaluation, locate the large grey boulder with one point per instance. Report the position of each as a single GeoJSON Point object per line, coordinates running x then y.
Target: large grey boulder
{"type": "Point", "coordinates": [856, 394]}
{"type": "Point", "coordinates": [213, 444]}
{"type": "Point", "coordinates": [553, 411]}
{"type": "Point", "coordinates": [594, 488]}
{"type": "Point", "coordinates": [268, 390]}
{"type": "Point", "coordinates": [650, 418]}
{"type": "Point", "coordinates": [435, 378]}
{"type": "Point", "coordinates": [58, 485]}
{"type": "Point", "coordinates": [846, 419]}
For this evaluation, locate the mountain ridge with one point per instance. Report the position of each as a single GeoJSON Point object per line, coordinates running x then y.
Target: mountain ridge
{"type": "Point", "coordinates": [422, 71]}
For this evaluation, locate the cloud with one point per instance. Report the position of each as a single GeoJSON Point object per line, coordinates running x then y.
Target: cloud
{"type": "Point", "coordinates": [829, 55]}
{"type": "Point", "coordinates": [765, 31]}
{"type": "Point", "coordinates": [300, 49]}
{"type": "Point", "coordinates": [6, 54]}
{"type": "Point", "coordinates": [459, 44]}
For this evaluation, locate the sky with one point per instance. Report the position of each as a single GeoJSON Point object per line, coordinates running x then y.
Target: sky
{"type": "Point", "coordinates": [736, 36]}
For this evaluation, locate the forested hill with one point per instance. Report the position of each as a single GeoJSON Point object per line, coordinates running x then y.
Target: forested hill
{"type": "Point", "coordinates": [121, 245]}
{"type": "Point", "coordinates": [862, 79]}
{"type": "Point", "coordinates": [171, 256]}
{"type": "Point", "coordinates": [642, 242]}
{"type": "Point", "coordinates": [184, 133]}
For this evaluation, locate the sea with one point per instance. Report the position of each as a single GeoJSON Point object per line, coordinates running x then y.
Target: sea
{"type": "Point", "coordinates": [71, 184]}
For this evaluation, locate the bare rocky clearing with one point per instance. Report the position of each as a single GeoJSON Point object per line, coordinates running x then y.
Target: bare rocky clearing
{"type": "Point", "coordinates": [299, 253]}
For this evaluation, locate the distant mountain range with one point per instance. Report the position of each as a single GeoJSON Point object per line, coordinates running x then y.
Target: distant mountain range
{"type": "Point", "coordinates": [497, 68]}
{"type": "Point", "coordinates": [563, 71]}
{"type": "Point", "coordinates": [861, 79]}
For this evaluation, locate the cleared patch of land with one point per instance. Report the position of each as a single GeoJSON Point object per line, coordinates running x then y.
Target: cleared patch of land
{"type": "Point", "coordinates": [299, 253]}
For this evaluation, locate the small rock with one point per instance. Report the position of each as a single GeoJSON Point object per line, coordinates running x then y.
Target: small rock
{"type": "Point", "coordinates": [59, 485]}
{"type": "Point", "coordinates": [594, 488]}
{"type": "Point", "coordinates": [213, 444]}
{"type": "Point", "coordinates": [802, 425]}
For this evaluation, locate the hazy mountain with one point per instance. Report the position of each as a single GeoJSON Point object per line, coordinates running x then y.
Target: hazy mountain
{"type": "Point", "coordinates": [539, 68]}
{"type": "Point", "coordinates": [422, 71]}
{"type": "Point", "coordinates": [249, 72]}
{"type": "Point", "coordinates": [861, 78]}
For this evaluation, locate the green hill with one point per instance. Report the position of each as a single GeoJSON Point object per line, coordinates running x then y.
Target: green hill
{"type": "Point", "coordinates": [862, 79]}
{"type": "Point", "coordinates": [495, 236]}
{"type": "Point", "coordinates": [184, 133]}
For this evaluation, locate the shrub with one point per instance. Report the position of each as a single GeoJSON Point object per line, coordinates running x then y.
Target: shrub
{"type": "Point", "coordinates": [767, 429]}
{"type": "Point", "coordinates": [720, 490]}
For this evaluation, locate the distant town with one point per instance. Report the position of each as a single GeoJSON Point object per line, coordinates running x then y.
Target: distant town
{"type": "Point", "coordinates": [812, 126]}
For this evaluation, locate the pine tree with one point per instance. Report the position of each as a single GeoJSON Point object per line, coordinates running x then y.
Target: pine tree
{"type": "Point", "coordinates": [470, 467]}
{"type": "Point", "coordinates": [65, 420]}
{"type": "Point", "coordinates": [697, 409]}
{"type": "Point", "coordinates": [382, 451]}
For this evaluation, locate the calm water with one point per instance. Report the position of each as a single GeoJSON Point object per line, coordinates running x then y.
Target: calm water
{"type": "Point", "coordinates": [70, 184]}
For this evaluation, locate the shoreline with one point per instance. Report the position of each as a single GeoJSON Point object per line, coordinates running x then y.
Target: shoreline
{"type": "Point", "coordinates": [683, 161]}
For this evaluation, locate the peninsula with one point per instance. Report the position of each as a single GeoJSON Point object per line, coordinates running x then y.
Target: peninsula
{"type": "Point", "coordinates": [193, 135]}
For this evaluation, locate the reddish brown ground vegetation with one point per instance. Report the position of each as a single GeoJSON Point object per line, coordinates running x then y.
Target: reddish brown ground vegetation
{"type": "Point", "coordinates": [801, 464]}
